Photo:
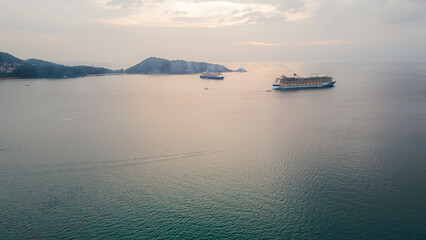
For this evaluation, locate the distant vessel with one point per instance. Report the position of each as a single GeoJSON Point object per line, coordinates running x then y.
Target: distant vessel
{"type": "Point", "coordinates": [212, 75]}
{"type": "Point", "coordinates": [295, 82]}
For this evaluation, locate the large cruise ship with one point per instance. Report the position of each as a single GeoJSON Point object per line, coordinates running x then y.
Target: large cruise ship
{"type": "Point", "coordinates": [295, 82]}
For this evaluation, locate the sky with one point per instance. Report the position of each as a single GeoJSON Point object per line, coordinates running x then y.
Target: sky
{"type": "Point", "coordinates": [121, 33]}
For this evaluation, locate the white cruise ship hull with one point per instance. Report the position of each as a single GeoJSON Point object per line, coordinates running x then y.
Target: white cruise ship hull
{"type": "Point", "coordinates": [300, 86]}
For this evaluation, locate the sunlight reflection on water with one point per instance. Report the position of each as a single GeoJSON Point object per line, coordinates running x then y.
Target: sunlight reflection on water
{"type": "Point", "coordinates": [155, 156]}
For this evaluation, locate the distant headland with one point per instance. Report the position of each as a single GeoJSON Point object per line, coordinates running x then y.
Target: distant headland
{"type": "Point", "coordinates": [155, 65]}
{"type": "Point", "coordinates": [13, 67]}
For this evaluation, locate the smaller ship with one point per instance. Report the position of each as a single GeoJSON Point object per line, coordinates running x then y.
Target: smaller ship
{"type": "Point", "coordinates": [212, 75]}
{"type": "Point", "coordinates": [295, 82]}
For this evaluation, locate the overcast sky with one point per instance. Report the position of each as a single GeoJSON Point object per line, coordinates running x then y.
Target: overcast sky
{"type": "Point", "coordinates": [120, 33]}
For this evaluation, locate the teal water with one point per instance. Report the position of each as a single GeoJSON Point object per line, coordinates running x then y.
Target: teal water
{"type": "Point", "coordinates": [162, 157]}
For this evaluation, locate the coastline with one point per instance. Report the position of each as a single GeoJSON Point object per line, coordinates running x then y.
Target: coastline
{"type": "Point", "coordinates": [8, 78]}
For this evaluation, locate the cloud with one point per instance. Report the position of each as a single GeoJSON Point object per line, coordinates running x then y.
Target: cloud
{"type": "Point", "coordinates": [326, 42]}
{"type": "Point", "coordinates": [197, 13]}
{"type": "Point", "coordinates": [298, 9]}
{"type": "Point", "coordinates": [126, 4]}
{"type": "Point", "coordinates": [260, 44]}
{"type": "Point", "coordinates": [292, 15]}
{"type": "Point", "coordinates": [310, 43]}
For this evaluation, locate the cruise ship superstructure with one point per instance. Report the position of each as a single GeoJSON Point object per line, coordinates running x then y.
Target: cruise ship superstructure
{"type": "Point", "coordinates": [296, 82]}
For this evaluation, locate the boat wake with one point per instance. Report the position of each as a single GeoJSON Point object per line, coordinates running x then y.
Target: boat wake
{"type": "Point", "coordinates": [70, 119]}
{"type": "Point", "coordinates": [168, 157]}
{"type": "Point", "coordinates": [93, 165]}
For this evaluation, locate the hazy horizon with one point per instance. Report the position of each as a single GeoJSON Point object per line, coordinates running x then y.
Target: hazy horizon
{"type": "Point", "coordinates": [120, 33]}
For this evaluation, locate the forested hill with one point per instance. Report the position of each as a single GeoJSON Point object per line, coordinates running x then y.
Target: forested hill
{"type": "Point", "coordinates": [155, 65]}
{"type": "Point", "coordinates": [11, 66]}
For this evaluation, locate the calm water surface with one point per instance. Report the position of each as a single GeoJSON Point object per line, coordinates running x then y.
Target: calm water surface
{"type": "Point", "coordinates": [160, 157]}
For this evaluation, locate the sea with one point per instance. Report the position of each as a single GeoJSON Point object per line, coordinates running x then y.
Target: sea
{"type": "Point", "coordinates": [179, 157]}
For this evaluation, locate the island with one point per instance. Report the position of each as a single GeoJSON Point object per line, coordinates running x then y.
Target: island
{"type": "Point", "coordinates": [240, 70]}
{"type": "Point", "coordinates": [155, 65]}
{"type": "Point", "coordinates": [13, 67]}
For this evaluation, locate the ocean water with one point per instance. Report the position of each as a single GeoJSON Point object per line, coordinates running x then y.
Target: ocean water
{"type": "Point", "coordinates": [179, 157]}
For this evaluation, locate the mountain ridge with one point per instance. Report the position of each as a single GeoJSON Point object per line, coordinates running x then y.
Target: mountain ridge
{"type": "Point", "coordinates": [154, 65]}
{"type": "Point", "coordinates": [13, 67]}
